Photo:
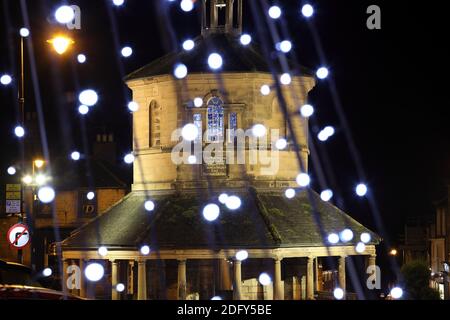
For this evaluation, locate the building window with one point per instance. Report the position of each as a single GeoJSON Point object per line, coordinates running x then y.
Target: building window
{"type": "Point", "coordinates": [198, 123]}
{"type": "Point", "coordinates": [232, 126]}
{"type": "Point", "coordinates": [155, 124]}
{"type": "Point", "coordinates": [215, 120]}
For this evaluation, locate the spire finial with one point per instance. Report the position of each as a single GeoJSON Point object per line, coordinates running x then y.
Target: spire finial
{"type": "Point", "coordinates": [218, 16]}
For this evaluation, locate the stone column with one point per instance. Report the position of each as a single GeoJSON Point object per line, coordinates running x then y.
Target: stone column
{"type": "Point", "coordinates": [83, 292]}
{"type": "Point", "coordinates": [342, 280]}
{"type": "Point", "coordinates": [278, 287]}
{"type": "Point", "coordinates": [130, 271]}
{"type": "Point", "coordinates": [64, 276]}
{"type": "Point", "coordinates": [237, 281]}
{"type": "Point", "coordinates": [225, 275]}
{"type": "Point", "coordinates": [142, 280]}
{"type": "Point", "coordinates": [182, 294]}
{"type": "Point", "coordinates": [310, 279]}
{"type": "Point", "coordinates": [316, 274]}
{"type": "Point", "coordinates": [114, 280]}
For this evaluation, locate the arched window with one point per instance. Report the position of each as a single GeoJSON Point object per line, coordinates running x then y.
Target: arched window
{"type": "Point", "coordinates": [215, 119]}
{"type": "Point", "coordinates": [154, 124]}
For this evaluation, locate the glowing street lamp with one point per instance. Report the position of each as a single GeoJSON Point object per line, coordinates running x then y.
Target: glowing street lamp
{"type": "Point", "coordinates": [39, 163]}
{"type": "Point", "coordinates": [61, 43]}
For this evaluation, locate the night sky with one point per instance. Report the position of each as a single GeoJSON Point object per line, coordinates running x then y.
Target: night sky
{"type": "Point", "coordinates": [390, 84]}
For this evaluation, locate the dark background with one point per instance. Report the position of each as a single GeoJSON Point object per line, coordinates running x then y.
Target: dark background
{"type": "Point", "coordinates": [391, 84]}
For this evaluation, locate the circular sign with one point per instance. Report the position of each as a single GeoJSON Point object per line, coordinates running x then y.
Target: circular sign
{"type": "Point", "coordinates": [18, 236]}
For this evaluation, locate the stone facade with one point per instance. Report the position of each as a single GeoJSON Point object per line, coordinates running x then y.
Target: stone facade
{"type": "Point", "coordinates": [240, 92]}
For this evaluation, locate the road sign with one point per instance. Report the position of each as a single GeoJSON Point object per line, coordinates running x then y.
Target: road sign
{"type": "Point", "coordinates": [13, 195]}
{"type": "Point", "coordinates": [13, 187]}
{"type": "Point", "coordinates": [18, 236]}
{"type": "Point", "coordinates": [13, 206]}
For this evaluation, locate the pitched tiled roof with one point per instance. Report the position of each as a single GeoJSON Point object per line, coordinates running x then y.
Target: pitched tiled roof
{"type": "Point", "coordinates": [236, 58]}
{"type": "Point", "coordinates": [265, 220]}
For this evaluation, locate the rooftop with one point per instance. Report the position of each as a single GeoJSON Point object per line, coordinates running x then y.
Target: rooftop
{"type": "Point", "coordinates": [265, 220]}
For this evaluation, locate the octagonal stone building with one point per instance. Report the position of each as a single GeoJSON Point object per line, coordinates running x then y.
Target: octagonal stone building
{"type": "Point", "coordinates": [191, 257]}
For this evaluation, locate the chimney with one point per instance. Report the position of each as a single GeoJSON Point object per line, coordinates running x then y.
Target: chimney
{"type": "Point", "coordinates": [105, 148]}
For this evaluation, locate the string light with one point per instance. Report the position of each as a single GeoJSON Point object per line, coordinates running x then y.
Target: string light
{"type": "Point", "coordinates": [180, 71]}
{"type": "Point", "coordinates": [90, 195]}
{"type": "Point", "coordinates": [303, 180]}
{"type": "Point", "coordinates": [284, 46]}
{"type": "Point", "coordinates": [360, 247]}
{"type": "Point", "coordinates": [103, 251]}
{"type": "Point", "coordinates": [149, 205]}
{"type": "Point", "coordinates": [187, 5]}
{"type": "Point", "coordinates": [233, 203]}
{"type": "Point", "coordinates": [75, 156]}
{"type": "Point", "coordinates": [307, 10]}
{"type": "Point", "coordinates": [326, 195]}
{"type": "Point", "coordinates": [365, 237]}
{"type": "Point", "coordinates": [397, 293]}
{"type": "Point", "coordinates": [346, 235]}
{"type": "Point", "coordinates": [24, 32]}
{"type": "Point", "coordinates": [64, 14]}
{"type": "Point", "coordinates": [211, 212]}
{"type": "Point", "coordinates": [265, 90]}
{"type": "Point", "coordinates": [190, 132]}
{"type": "Point", "coordinates": [126, 52]}
{"type": "Point", "coordinates": [19, 131]}
{"type": "Point", "coordinates": [129, 158]}
{"type": "Point", "coordinates": [285, 78]}
{"type": "Point", "coordinates": [281, 144]}
{"type": "Point", "coordinates": [241, 255]}
{"type": "Point", "coordinates": [259, 130]}
{"type": "Point", "coordinates": [307, 110]}
{"type": "Point", "coordinates": [94, 272]}
{"type": "Point", "coordinates": [333, 238]}
{"type": "Point", "coordinates": [133, 106]}
{"type": "Point", "coordinates": [88, 97]}
{"type": "Point", "coordinates": [264, 279]}
{"type": "Point", "coordinates": [198, 102]}
{"type": "Point", "coordinates": [338, 294]}
{"type": "Point", "coordinates": [223, 198]}
{"type": "Point", "coordinates": [361, 189]}
{"type": "Point", "coordinates": [145, 250]}
{"type": "Point", "coordinates": [289, 193]}
{"type": "Point", "coordinates": [322, 73]}
{"type": "Point", "coordinates": [81, 58]}
{"type": "Point", "coordinates": [11, 171]}
{"type": "Point", "coordinates": [83, 110]}
{"type": "Point", "coordinates": [46, 194]}
{"type": "Point", "coordinates": [245, 39]}
{"type": "Point", "coordinates": [275, 12]}
{"type": "Point", "coordinates": [215, 61]}
{"type": "Point", "coordinates": [118, 3]}
{"type": "Point", "coordinates": [47, 272]}
{"type": "Point", "coordinates": [188, 45]}
{"type": "Point", "coordinates": [5, 79]}
{"type": "Point", "coordinates": [120, 287]}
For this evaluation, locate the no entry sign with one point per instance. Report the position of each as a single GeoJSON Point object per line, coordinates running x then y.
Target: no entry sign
{"type": "Point", "coordinates": [18, 236]}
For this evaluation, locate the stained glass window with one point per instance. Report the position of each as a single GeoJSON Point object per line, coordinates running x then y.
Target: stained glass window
{"type": "Point", "coordinates": [215, 120]}
{"type": "Point", "coordinates": [198, 122]}
{"type": "Point", "coordinates": [232, 126]}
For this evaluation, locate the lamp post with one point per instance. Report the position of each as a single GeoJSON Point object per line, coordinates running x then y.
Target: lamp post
{"type": "Point", "coordinates": [60, 44]}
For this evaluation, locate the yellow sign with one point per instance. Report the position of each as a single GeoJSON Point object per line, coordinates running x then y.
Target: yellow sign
{"type": "Point", "coordinates": [14, 187]}
{"type": "Point", "coordinates": [13, 195]}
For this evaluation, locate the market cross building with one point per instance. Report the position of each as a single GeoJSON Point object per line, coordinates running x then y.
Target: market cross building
{"type": "Point", "coordinates": [190, 257]}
